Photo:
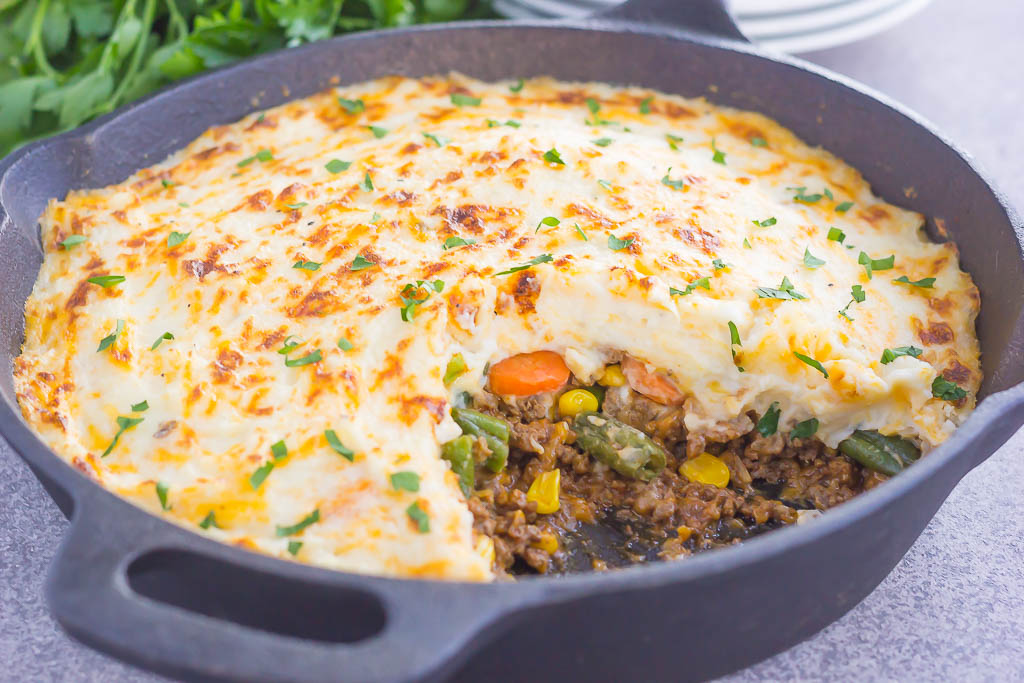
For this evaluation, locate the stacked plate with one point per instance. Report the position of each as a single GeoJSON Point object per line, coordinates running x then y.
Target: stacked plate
{"type": "Point", "coordinates": [786, 25]}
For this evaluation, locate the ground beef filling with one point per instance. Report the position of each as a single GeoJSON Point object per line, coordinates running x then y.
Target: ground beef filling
{"type": "Point", "coordinates": [608, 520]}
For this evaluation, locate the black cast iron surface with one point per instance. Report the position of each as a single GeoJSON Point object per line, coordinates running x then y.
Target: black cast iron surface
{"type": "Point", "coordinates": [119, 567]}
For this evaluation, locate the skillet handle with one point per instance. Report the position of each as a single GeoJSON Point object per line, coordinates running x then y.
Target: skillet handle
{"type": "Point", "coordinates": [708, 17]}
{"type": "Point", "coordinates": [411, 630]}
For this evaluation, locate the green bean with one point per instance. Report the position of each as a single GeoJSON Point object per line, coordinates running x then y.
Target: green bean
{"type": "Point", "coordinates": [494, 431]}
{"type": "Point", "coordinates": [885, 454]}
{"type": "Point", "coordinates": [459, 452]}
{"type": "Point", "coordinates": [626, 450]}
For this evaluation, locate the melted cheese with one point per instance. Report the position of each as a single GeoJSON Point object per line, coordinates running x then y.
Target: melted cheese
{"type": "Point", "coordinates": [220, 394]}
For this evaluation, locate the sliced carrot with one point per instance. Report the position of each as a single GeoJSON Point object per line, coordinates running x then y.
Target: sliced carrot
{"type": "Point", "coordinates": [654, 385]}
{"type": "Point", "coordinates": [526, 374]}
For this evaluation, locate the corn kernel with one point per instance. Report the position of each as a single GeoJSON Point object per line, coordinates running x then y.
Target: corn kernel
{"type": "Point", "coordinates": [684, 533]}
{"type": "Point", "coordinates": [548, 543]}
{"type": "Point", "coordinates": [612, 377]}
{"type": "Point", "coordinates": [706, 469]}
{"type": "Point", "coordinates": [544, 491]}
{"type": "Point", "coordinates": [576, 401]}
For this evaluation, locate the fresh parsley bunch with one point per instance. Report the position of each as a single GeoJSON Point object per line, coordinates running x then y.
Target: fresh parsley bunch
{"type": "Point", "coordinates": [63, 62]}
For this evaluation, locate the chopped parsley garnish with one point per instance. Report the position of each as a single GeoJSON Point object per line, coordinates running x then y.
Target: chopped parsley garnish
{"type": "Point", "coordinates": [405, 481]}
{"type": "Point", "coordinates": [593, 105]}
{"type": "Point", "coordinates": [946, 390]}
{"type": "Point", "coordinates": [107, 280]}
{"type": "Point", "coordinates": [889, 355]}
{"type": "Point", "coordinates": [297, 205]}
{"type": "Point", "coordinates": [518, 86]}
{"type": "Point", "coordinates": [314, 357]}
{"type": "Point", "coordinates": [377, 131]}
{"type": "Point", "coordinates": [167, 183]}
{"type": "Point", "coordinates": [871, 264]}
{"type": "Point", "coordinates": [106, 342]}
{"type": "Point", "coordinates": [306, 265]}
{"type": "Point", "coordinates": [287, 346]}
{"type": "Point", "coordinates": [455, 241]}
{"type": "Point", "coordinates": [417, 515]}
{"type": "Point", "coordinates": [361, 263]}
{"type": "Point", "coordinates": [72, 240]}
{"type": "Point", "coordinates": [279, 449]}
{"type": "Point", "coordinates": [857, 292]}
{"type": "Point", "coordinates": [140, 407]}
{"type": "Point", "coordinates": [123, 425]}
{"type": "Point", "coordinates": [746, 243]}
{"type": "Point", "coordinates": [263, 155]}
{"type": "Point", "coordinates": [411, 298]}
{"type": "Point", "coordinates": [257, 478]}
{"type": "Point", "coordinates": [209, 520]}
{"type": "Point", "coordinates": [805, 429]}
{"type": "Point", "coordinates": [352, 106]}
{"type": "Point", "coordinates": [766, 223]}
{"type": "Point", "coordinates": [367, 183]}
{"type": "Point", "coordinates": [337, 446]}
{"type": "Point", "coordinates": [176, 238]}
{"type": "Point", "coordinates": [440, 141]}
{"type": "Point", "coordinates": [813, 363]}
{"type": "Point", "coordinates": [311, 518]}
{"type": "Point", "coordinates": [579, 231]}
{"type": "Point", "coordinates": [719, 155]}
{"type": "Point", "coordinates": [616, 244]}
{"type": "Point", "coordinates": [161, 494]}
{"type": "Point", "coordinates": [645, 105]}
{"type": "Point", "coordinates": [734, 341]}
{"type": "Point", "coordinates": [511, 123]}
{"type": "Point", "coordinates": [183, 205]}
{"type": "Point", "coordinates": [294, 547]}
{"type": "Point", "coordinates": [605, 184]}
{"type": "Point", "coordinates": [337, 165]}
{"type": "Point", "coordinates": [345, 344]}
{"type": "Point", "coordinates": [704, 283]}
{"type": "Point", "coordinates": [456, 368]}
{"type": "Point", "coordinates": [836, 235]}
{"type": "Point", "coordinates": [802, 196]}
{"type": "Point", "coordinates": [769, 422]}
{"type": "Point", "coordinates": [536, 260]}
{"type": "Point", "coordinates": [160, 340]}
{"type": "Point", "coordinates": [549, 221]}
{"type": "Point", "coordinates": [673, 141]}
{"type": "Point", "coordinates": [674, 184]}
{"type": "Point", "coordinates": [810, 260]}
{"type": "Point", "coordinates": [758, 142]}
{"type": "Point", "coordinates": [375, 217]}
{"type": "Point", "coordinates": [461, 100]}
{"type": "Point", "coordinates": [553, 157]}
{"type": "Point", "coordinates": [926, 283]}
{"type": "Point", "coordinates": [784, 292]}
{"type": "Point", "coordinates": [719, 264]}
{"type": "Point", "coordinates": [603, 142]}
{"type": "Point", "coordinates": [844, 207]}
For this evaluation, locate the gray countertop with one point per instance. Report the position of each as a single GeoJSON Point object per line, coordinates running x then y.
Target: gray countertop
{"type": "Point", "coordinates": [953, 609]}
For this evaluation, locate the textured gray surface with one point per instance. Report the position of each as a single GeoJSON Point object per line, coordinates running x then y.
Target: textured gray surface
{"type": "Point", "coordinates": [953, 609]}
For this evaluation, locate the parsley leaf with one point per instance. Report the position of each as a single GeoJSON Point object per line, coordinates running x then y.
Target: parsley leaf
{"type": "Point", "coordinates": [461, 100]}
{"type": "Point", "coordinates": [703, 283]}
{"type": "Point", "coordinates": [455, 241]}
{"type": "Point", "coordinates": [805, 429]}
{"type": "Point", "coordinates": [123, 425]}
{"type": "Point", "coordinates": [926, 283]}
{"type": "Point", "coordinates": [107, 341]}
{"type": "Point", "coordinates": [262, 156]}
{"type": "Point", "coordinates": [411, 296]}
{"type": "Point", "coordinates": [802, 196]}
{"type": "Point", "coordinates": [335, 443]}
{"type": "Point", "coordinates": [176, 238]}
{"type": "Point", "coordinates": [889, 355]}
{"type": "Point", "coordinates": [871, 264]}
{"type": "Point", "coordinates": [377, 131]}
{"type": "Point", "coordinates": [844, 207]}
{"type": "Point", "coordinates": [674, 184]}
{"type": "Point", "coordinates": [580, 232]}
{"type": "Point", "coordinates": [719, 155]}
{"type": "Point", "coordinates": [405, 481]}
{"type": "Point", "coordinates": [72, 240]}
{"type": "Point", "coordinates": [836, 235]}
{"type": "Point", "coordinates": [367, 184]}
{"type": "Point", "coordinates": [440, 141]}
{"type": "Point", "coordinates": [734, 342]}
{"type": "Point", "coordinates": [616, 244]}
{"type": "Point", "coordinates": [345, 344]}
{"type": "Point", "coordinates": [946, 390]}
{"type": "Point", "coordinates": [784, 292]}
{"type": "Point", "coordinates": [719, 264]}
{"type": "Point", "coordinates": [314, 357]}
{"type": "Point", "coordinates": [160, 340]}
{"type": "Point", "coordinates": [311, 518]}
{"type": "Point", "coordinates": [549, 221]}
{"type": "Point", "coordinates": [352, 106]}
{"type": "Point", "coordinates": [361, 263]}
{"type": "Point", "coordinates": [161, 494]}
{"type": "Point", "coordinates": [294, 547]}
{"type": "Point", "coordinates": [813, 363]}
{"type": "Point", "coordinates": [536, 260]}
{"type": "Point", "coordinates": [107, 280]}
{"type": "Point", "coordinates": [257, 478]}
{"type": "Point", "coordinates": [518, 86]}
{"type": "Point", "coordinates": [746, 243]}
{"type": "Point", "coordinates": [766, 223]}
{"type": "Point", "coordinates": [140, 407]}
{"type": "Point", "coordinates": [287, 346]}
{"type": "Point", "coordinates": [645, 105]}
{"type": "Point", "coordinates": [857, 292]}
{"type": "Point", "coordinates": [553, 157]}
{"type": "Point", "coordinates": [279, 449]}
{"type": "Point", "coordinates": [593, 105]}
{"type": "Point", "coordinates": [758, 142]}
{"type": "Point", "coordinates": [417, 515]}
{"type": "Point", "coordinates": [337, 165]}
{"type": "Point", "coordinates": [603, 142]}
{"type": "Point", "coordinates": [673, 141]}
{"type": "Point", "coordinates": [297, 205]}
{"type": "Point", "coordinates": [209, 520]}
{"type": "Point", "coordinates": [605, 184]}
{"type": "Point", "coordinates": [306, 265]}
{"type": "Point", "coordinates": [810, 260]}
{"type": "Point", "coordinates": [769, 422]}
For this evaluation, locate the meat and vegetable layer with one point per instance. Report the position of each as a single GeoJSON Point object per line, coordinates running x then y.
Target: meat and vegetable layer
{"type": "Point", "coordinates": [455, 329]}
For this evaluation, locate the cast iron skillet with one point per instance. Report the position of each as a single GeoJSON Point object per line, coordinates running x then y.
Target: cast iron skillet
{"type": "Point", "coordinates": [164, 598]}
